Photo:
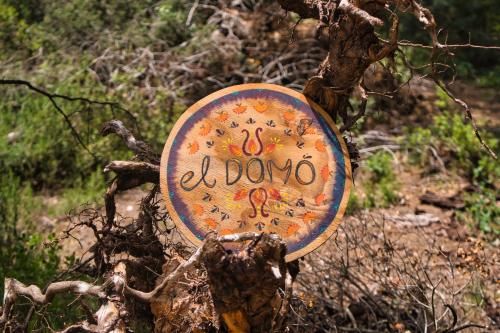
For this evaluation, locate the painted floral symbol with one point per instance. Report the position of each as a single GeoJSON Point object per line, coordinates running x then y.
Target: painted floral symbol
{"type": "Point", "coordinates": [292, 229]}
{"type": "Point", "coordinates": [256, 197]}
{"type": "Point", "coordinates": [325, 173]}
{"type": "Point", "coordinates": [231, 147]}
{"type": "Point", "coordinates": [274, 194]}
{"type": "Point", "coordinates": [250, 147]}
{"type": "Point", "coordinates": [193, 147]}
{"type": "Point", "coordinates": [289, 115]}
{"type": "Point", "coordinates": [222, 116]}
{"type": "Point", "coordinates": [305, 126]}
{"type": "Point", "coordinates": [210, 222]}
{"type": "Point", "coordinates": [260, 225]}
{"type": "Point", "coordinates": [271, 123]}
{"type": "Point", "coordinates": [207, 197]}
{"type": "Point", "coordinates": [198, 210]}
{"type": "Point", "coordinates": [239, 109]}
{"type": "Point", "coordinates": [320, 146]}
{"type": "Point", "coordinates": [240, 194]}
{"type": "Point", "coordinates": [274, 144]}
{"type": "Point", "coordinates": [205, 128]}
{"type": "Point", "coordinates": [224, 232]}
{"type": "Point", "coordinates": [320, 199]}
{"type": "Point", "coordinates": [308, 217]}
{"type": "Point", "coordinates": [231, 203]}
{"type": "Point", "coordinates": [261, 107]}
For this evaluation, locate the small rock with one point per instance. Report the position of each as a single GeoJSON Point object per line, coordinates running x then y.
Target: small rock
{"type": "Point", "coordinates": [13, 136]}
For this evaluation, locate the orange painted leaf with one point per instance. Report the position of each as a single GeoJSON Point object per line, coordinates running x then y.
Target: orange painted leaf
{"type": "Point", "coordinates": [258, 197]}
{"type": "Point", "coordinates": [310, 130]}
{"type": "Point", "coordinates": [289, 115]}
{"type": "Point", "coordinates": [211, 223]}
{"type": "Point", "coordinates": [308, 217]}
{"type": "Point", "coordinates": [292, 229]}
{"type": "Point", "coordinates": [320, 199]}
{"type": "Point", "coordinates": [261, 107]}
{"type": "Point", "coordinates": [222, 116]}
{"type": "Point", "coordinates": [235, 150]}
{"type": "Point", "coordinates": [205, 128]}
{"type": "Point", "coordinates": [240, 194]}
{"type": "Point", "coordinates": [252, 146]}
{"type": "Point", "coordinates": [193, 147]}
{"type": "Point", "coordinates": [198, 209]}
{"type": "Point", "coordinates": [325, 173]}
{"type": "Point", "coordinates": [270, 148]}
{"type": "Point", "coordinates": [239, 109]}
{"type": "Point", "coordinates": [224, 232]}
{"type": "Point", "coordinates": [275, 194]}
{"type": "Point", "coordinates": [320, 146]}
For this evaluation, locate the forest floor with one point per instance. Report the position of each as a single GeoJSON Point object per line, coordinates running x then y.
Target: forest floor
{"type": "Point", "coordinates": [455, 254]}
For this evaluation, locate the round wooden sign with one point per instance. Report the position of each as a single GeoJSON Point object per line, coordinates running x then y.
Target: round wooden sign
{"type": "Point", "coordinates": [256, 157]}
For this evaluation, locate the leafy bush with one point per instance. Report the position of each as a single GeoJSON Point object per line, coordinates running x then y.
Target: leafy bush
{"type": "Point", "coordinates": [22, 254]}
{"type": "Point", "coordinates": [482, 211]}
{"type": "Point", "coordinates": [457, 144]}
{"type": "Point", "coordinates": [354, 204]}
{"type": "Point", "coordinates": [381, 186]}
{"type": "Point", "coordinates": [455, 139]}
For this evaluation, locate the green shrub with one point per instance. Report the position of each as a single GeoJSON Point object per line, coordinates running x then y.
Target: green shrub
{"type": "Point", "coordinates": [381, 186]}
{"type": "Point", "coordinates": [22, 253]}
{"type": "Point", "coordinates": [457, 144]}
{"type": "Point", "coordinates": [482, 211]}
{"type": "Point", "coordinates": [455, 139]}
{"type": "Point", "coordinates": [354, 204]}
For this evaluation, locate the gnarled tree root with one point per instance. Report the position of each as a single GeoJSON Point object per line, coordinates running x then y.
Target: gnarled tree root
{"type": "Point", "coordinates": [249, 289]}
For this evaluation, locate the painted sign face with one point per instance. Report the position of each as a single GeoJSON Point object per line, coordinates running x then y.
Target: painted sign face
{"type": "Point", "coordinates": [256, 157]}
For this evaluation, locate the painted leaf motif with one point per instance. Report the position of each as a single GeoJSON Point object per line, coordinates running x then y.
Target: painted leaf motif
{"type": "Point", "coordinates": [239, 109]}
{"type": "Point", "coordinates": [211, 223]}
{"type": "Point", "coordinates": [222, 116]}
{"type": "Point", "coordinates": [289, 115]}
{"type": "Point", "coordinates": [258, 197]}
{"type": "Point", "coordinates": [270, 148]}
{"type": "Point", "coordinates": [320, 146]}
{"type": "Point", "coordinates": [292, 229]}
{"type": "Point", "coordinates": [325, 173]}
{"type": "Point", "coordinates": [240, 194]}
{"type": "Point", "coordinates": [193, 147]}
{"type": "Point", "coordinates": [308, 217]}
{"type": "Point", "coordinates": [198, 210]}
{"type": "Point", "coordinates": [310, 130]}
{"type": "Point", "coordinates": [252, 146]}
{"type": "Point", "coordinates": [320, 199]}
{"type": "Point", "coordinates": [224, 232]}
{"type": "Point", "coordinates": [205, 128]}
{"type": "Point", "coordinates": [275, 194]}
{"type": "Point", "coordinates": [261, 107]}
{"type": "Point", "coordinates": [235, 150]}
